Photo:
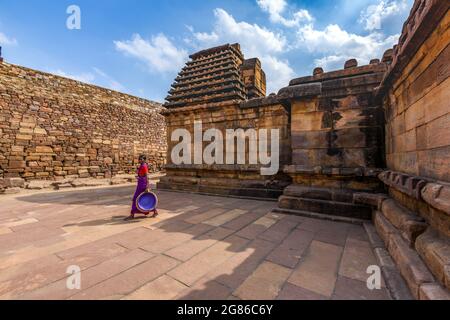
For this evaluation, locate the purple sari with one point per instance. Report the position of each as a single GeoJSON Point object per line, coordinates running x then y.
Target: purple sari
{"type": "Point", "coordinates": [141, 187]}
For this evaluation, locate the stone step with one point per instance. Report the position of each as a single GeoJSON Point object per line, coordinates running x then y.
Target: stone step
{"type": "Point", "coordinates": [413, 269]}
{"type": "Point", "coordinates": [334, 208]}
{"type": "Point", "coordinates": [396, 285]}
{"type": "Point", "coordinates": [407, 222]}
{"type": "Point", "coordinates": [306, 192]}
{"type": "Point", "coordinates": [316, 215]}
{"type": "Point", "coordinates": [435, 251]}
{"type": "Point", "coordinates": [243, 193]}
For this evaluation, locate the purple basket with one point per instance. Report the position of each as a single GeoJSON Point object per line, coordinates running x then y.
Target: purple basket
{"type": "Point", "coordinates": [147, 202]}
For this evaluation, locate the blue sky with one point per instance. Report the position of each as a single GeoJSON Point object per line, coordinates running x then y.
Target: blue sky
{"type": "Point", "coordinates": [138, 46]}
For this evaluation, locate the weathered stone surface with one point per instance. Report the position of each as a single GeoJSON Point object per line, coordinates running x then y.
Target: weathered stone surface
{"type": "Point", "coordinates": [117, 181]}
{"type": "Point", "coordinates": [245, 78]}
{"type": "Point", "coordinates": [435, 251]}
{"type": "Point", "coordinates": [57, 127]}
{"type": "Point", "coordinates": [352, 63]}
{"type": "Point", "coordinates": [415, 92]}
{"type": "Point", "coordinates": [14, 182]}
{"type": "Point", "coordinates": [410, 265]}
{"type": "Point", "coordinates": [438, 196]}
{"type": "Point", "coordinates": [374, 200]}
{"type": "Point", "coordinates": [318, 271]}
{"type": "Point", "coordinates": [317, 71]}
{"type": "Point", "coordinates": [10, 190]}
{"type": "Point", "coordinates": [264, 284]}
{"type": "Point", "coordinates": [301, 90]}
{"type": "Point", "coordinates": [433, 291]}
{"type": "Point", "coordinates": [38, 184]}
{"type": "Point", "coordinates": [409, 224]}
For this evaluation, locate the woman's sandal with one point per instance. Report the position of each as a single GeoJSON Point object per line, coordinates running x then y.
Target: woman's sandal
{"type": "Point", "coordinates": [129, 218]}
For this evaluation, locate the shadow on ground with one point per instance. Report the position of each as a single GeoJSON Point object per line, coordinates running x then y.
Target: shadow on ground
{"type": "Point", "coordinates": [246, 245]}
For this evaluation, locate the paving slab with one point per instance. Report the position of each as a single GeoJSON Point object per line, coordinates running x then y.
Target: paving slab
{"type": "Point", "coordinates": [200, 247]}
{"type": "Point", "coordinates": [265, 283]}
{"type": "Point", "coordinates": [318, 270]}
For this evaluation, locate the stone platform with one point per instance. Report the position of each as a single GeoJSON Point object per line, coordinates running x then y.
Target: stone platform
{"type": "Point", "coordinates": [201, 247]}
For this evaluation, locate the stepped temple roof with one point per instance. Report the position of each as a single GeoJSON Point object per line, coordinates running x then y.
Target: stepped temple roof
{"type": "Point", "coordinates": [215, 75]}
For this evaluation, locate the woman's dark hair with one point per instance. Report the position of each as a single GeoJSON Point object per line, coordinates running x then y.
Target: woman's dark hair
{"type": "Point", "coordinates": [142, 157]}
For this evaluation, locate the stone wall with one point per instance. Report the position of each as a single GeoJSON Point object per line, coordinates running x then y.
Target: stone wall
{"type": "Point", "coordinates": [337, 141]}
{"type": "Point", "coordinates": [414, 221]}
{"type": "Point", "coordinates": [417, 112]}
{"type": "Point", "coordinates": [239, 179]}
{"type": "Point", "coordinates": [54, 128]}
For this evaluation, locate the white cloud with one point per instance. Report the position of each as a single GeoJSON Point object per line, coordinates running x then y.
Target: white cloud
{"type": "Point", "coordinates": [278, 72]}
{"type": "Point", "coordinates": [86, 77]}
{"type": "Point", "coordinates": [276, 8]}
{"type": "Point", "coordinates": [337, 45]}
{"type": "Point", "coordinates": [255, 41]}
{"type": "Point", "coordinates": [375, 14]}
{"type": "Point", "coordinates": [159, 53]}
{"type": "Point", "coordinates": [98, 77]}
{"type": "Point", "coordinates": [109, 81]}
{"type": "Point", "coordinates": [6, 41]}
{"type": "Point", "coordinates": [332, 62]}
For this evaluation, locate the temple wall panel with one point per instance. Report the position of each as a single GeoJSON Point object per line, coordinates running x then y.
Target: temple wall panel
{"type": "Point", "coordinates": [416, 100]}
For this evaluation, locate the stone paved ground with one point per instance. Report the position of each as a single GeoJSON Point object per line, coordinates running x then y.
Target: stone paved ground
{"type": "Point", "coordinates": [201, 247]}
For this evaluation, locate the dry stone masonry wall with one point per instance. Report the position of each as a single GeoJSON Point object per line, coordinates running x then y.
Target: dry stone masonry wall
{"type": "Point", "coordinates": [53, 128]}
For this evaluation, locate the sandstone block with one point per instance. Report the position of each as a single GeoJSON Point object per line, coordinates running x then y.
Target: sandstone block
{"type": "Point", "coordinates": [438, 196]}
{"type": "Point", "coordinates": [17, 148]}
{"type": "Point", "coordinates": [15, 182]}
{"type": "Point", "coordinates": [411, 225]}
{"type": "Point", "coordinates": [17, 164]}
{"type": "Point", "coordinates": [44, 149]}
{"type": "Point", "coordinates": [384, 228]}
{"type": "Point", "coordinates": [40, 131]}
{"type": "Point", "coordinates": [433, 291]}
{"type": "Point", "coordinates": [352, 63]}
{"type": "Point", "coordinates": [38, 184]}
{"type": "Point", "coordinates": [117, 181]}
{"type": "Point", "coordinates": [372, 199]}
{"type": "Point", "coordinates": [10, 190]}
{"type": "Point", "coordinates": [23, 137]}
{"type": "Point", "coordinates": [435, 251]}
{"type": "Point", "coordinates": [412, 268]}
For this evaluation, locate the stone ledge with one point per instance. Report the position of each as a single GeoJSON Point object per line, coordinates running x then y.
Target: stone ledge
{"type": "Point", "coordinates": [350, 172]}
{"type": "Point", "coordinates": [433, 291]}
{"type": "Point", "coordinates": [411, 267]}
{"type": "Point", "coordinates": [334, 208]}
{"type": "Point", "coordinates": [396, 285]}
{"type": "Point", "coordinates": [435, 251]}
{"type": "Point", "coordinates": [218, 167]}
{"type": "Point", "coordinates": [437, 196]}
{"type": "Point", "coordinates": [409, 224]}
{"type": "Point", "coordinates": [374, 238]}
{"type": "Point", "coordinates": [260, 102]}
{"type": "Point", "coordinates": [321, 216]}
{"type": "Point", "coordinates": [74, 182]}
{"type": "Point", "coordinates": [384, 228]}
{"type": "Point", "coordinates": [405, 183]}
{"type": "Point", "coordinates": [301, 91]}
{"type": "Point", "coordinates": [332, 75]}
{"type": "Point", "coordinates": [340, 195]}
{"type": "Point", "coordinates": [240, 193]}
{"type": "Point", "coordinates": [375, 200]}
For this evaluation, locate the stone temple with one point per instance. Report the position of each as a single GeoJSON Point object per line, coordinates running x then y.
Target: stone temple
{"type": "Point", "coordinates": [363, 143]}
{"type": "Point", "coordinates": [367, 145]}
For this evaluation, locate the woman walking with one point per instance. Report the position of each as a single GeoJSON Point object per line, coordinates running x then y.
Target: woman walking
{"type": "Point", "coordinates": [142, 185]}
